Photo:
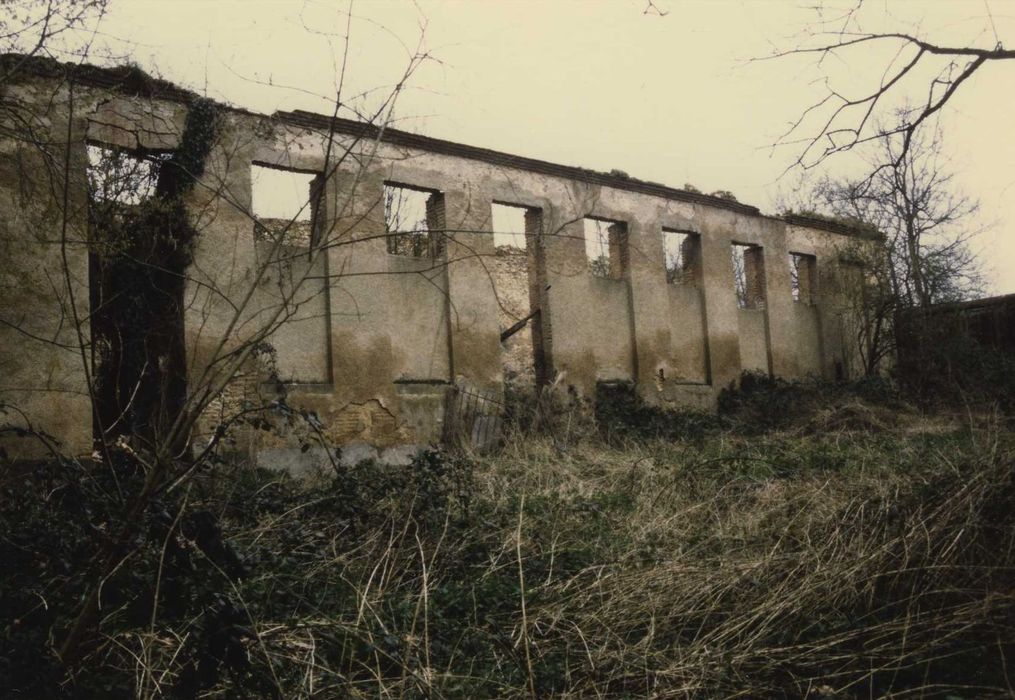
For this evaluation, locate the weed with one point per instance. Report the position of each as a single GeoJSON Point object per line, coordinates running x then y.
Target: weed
{"type": "Point", "coordinates": [860, 561]}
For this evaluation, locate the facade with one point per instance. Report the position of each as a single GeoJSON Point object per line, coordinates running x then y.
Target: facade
{"type": "Point", "coordinates": [376, 326]}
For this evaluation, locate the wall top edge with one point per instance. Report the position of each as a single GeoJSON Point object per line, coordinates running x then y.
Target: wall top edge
{"type": "Point", "coordinates": [132, 81]}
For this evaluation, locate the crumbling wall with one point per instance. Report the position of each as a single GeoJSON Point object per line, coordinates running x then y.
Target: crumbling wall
{"type": "Point", "coordinates": [370, 343]}
{"type": "Point", "coordinates": [509, 274]}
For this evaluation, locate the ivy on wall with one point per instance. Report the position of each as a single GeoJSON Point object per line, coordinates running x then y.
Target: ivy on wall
{"type": "Point", "coordinates": [142, 244]}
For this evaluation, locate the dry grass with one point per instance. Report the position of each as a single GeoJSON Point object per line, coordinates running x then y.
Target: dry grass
{"type": "Point", "coordinates": [868, 557]}
{"type": "Point", "coordinates": [854, 564]}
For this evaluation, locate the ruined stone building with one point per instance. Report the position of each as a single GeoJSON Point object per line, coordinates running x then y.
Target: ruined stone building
{"type": "Point", "coordinates": [376, 317]}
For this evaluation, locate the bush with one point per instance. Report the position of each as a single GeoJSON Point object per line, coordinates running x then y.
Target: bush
{"type": "Point", "coordinates": [622, 414]}
{"type": "Point", "coordinates": [759, 404]}
{"type": "Point", "coordinates": [762, 403]}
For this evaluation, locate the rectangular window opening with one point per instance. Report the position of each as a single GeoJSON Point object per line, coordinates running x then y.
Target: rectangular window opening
{"type": "Point", "coordinates": [682, 256]}
{"type": "Point", "coordinates": [749, 275]}
{"type": "Point", "coordinates": [414, 221]}
{"type": "Point", "coordinates": [121, 177]}
{"type": "Point", "coordinates": [508, 222]}
{"type": "Point", "coordinates": [605, 247]}
{"type": "Point", "coordinates": [803, 276]}
{"type": "Point", "coordinates": [284, 204]}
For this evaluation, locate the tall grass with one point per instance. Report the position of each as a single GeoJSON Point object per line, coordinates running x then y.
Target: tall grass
{"type": "Point", "coordinates": [870, 561]}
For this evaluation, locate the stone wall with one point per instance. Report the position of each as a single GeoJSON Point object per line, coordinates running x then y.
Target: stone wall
{"type": "Point", "coordinates": [509, 274]}
{"type": "Point", "coordinates": [368, 344]}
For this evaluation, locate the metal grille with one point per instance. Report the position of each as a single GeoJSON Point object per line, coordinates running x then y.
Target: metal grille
{"type": "Point", "coordinates": [473, 417]}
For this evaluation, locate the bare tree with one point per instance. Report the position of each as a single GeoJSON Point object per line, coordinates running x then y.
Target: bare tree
{"type": "Point", "coordinates": [924, 258]}
{"type": "Point", "coordinates": [137, 220]}
{"type": "Point", "coordinates": [842, 120]}
{"type": "Point", "coordinates": [912, 199]}
{"type": "Point", "coordinates": [31, 27]}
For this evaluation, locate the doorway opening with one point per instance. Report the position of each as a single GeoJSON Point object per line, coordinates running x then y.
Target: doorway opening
{"type": "Point", "coordinates": [521, 293]}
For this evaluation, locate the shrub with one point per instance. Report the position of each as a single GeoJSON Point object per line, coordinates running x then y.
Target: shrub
{"type": "Point", "coordinates": [622, 414]}
{"type": "Point", "coordinates": [762, 403]}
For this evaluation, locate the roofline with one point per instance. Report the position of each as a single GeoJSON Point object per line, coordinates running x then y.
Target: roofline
{"type": "Point", "coordinates": [985, 302]}
{"type": "Point", "coordinates": [407, 139]}
{"type": "Point", "coordinates": [832, 226]}
{"type": "Point", "coordinates": [130, 80]}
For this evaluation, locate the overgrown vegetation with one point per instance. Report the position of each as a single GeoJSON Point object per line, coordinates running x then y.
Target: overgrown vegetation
{"type": "Point", "coordinates": [759, 404]}
{"type": "Point", "coordinates": [942, 364]}
{"type": "Point", "coordinates": [144, 243]}
{"type": "Point", "coordinates": [851, 548]}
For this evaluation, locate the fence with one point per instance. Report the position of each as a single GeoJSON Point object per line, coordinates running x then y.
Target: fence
{"type": "Point", "coordinates": [473, 417]}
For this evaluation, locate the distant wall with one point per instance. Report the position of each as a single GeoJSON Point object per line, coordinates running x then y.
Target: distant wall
{"type": "Point", "coordinates": [962, 350]}
{"type": "Point", "coordinates": [989, 322]}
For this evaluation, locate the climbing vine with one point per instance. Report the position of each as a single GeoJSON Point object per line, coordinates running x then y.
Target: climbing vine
{"type": "Point", "coordinates": [143, 242]}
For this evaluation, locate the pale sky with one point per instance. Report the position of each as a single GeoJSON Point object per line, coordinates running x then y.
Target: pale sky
{"type": "Point", "coordinates": [673, 98]}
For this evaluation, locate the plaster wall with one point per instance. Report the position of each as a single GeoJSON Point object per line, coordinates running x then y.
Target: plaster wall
{"type": "Point", "coordinates": [371, 343]}
{"type": "Point", "coordinates": [688, 358]}
{"type": "Point", "coordinates": [45, 348]}
{"type": "Point", "coordinates": [753, 340]}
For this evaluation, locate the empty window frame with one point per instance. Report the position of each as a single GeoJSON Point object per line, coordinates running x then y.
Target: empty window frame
{"type": "Point", "coordinates": [414, 221]}
{"type": "Point", "coordinates": [803, 277]}
{"type": "Point", "coordinates": [682, 257]}
{"type": "Point", "coordinates": [120, 177]}
{"type": "Point", "coordinates": [284, 204]}
{"type": "Point", "coordinates": [509, 227]}
{"type": "Point", "coordinates": [749, 275]}
{"type": "Point", "coordinates": [605, 247]}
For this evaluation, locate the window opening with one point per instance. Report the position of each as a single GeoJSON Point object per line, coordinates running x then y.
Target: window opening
{"type": "Point", "coordinates": [283, 203]}
{"type": "Point", "coordinates": [514, 272]}
{"type": "Point", "coordinates": [605, 247]}
{"type": "Point", "coordinates": [803, 273]}
{"type": "Point", "coordinates": [682, 255]}
{"type": "Point", "coordinates": [122, 177]}
{"type": "Point", "coordinates": [508, 227]}
{"type": "Point", "coordinates": [413, 219]}
{"type": "Point", "coordinates": [749, 275]}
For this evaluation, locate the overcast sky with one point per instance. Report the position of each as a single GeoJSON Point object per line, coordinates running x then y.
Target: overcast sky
{"type": "Point", "coordinates": [673, 98]}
